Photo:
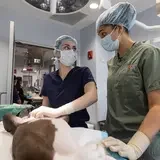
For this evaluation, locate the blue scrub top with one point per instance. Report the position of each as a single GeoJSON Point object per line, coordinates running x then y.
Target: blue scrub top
{"type": "Point", "coordinates": [15, 95]}
{"type": "Point", "coordinates": [61, 92]}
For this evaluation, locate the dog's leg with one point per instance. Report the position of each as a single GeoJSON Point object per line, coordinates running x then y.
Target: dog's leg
{"type": "Point", "coordinates": [11, 122]}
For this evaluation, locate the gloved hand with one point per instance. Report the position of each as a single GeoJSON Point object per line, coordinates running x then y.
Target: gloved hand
{"type": "Point", "coordinates": [123, 149]}
{"type": "Point", "coordinates": [44, 111]}
{"type": "Point", "coordinates": [133, 150]}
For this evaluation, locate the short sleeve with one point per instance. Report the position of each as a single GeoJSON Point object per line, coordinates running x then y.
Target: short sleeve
{"type": "Point", "coordinates": [87, 76]}
{"type": "Point", "coordinates": [151, 69]}
{"type": "Point", "coordinates": [44, 88]}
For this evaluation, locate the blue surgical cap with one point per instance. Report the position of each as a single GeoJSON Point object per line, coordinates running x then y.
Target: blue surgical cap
{"type": "Point", "coordinates": [122, 13]}
{"type": "Point", "coordinates": [63, 38]}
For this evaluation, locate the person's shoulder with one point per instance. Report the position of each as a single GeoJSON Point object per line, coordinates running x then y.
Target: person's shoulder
{"type": "Point", "coordinates": [53, 73]}
{"type": "Point", "coordinates": [50, 75]}
{"type": "Point", "coordinates": [82, 69]}
{"type": "Point", "coordinates": [149, 48]}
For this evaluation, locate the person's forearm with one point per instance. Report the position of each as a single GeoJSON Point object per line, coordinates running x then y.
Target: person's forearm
{"type": "Point", "coordinates": [147, 131]}
{"type": "Point", "coordinates": [85, 101]}
{"type": "Point", "coordinates": [151, 124]}
{"type": "Point", "coordinates": [79, 104]}
{"type": "Point", "coordinates": [45, 101]}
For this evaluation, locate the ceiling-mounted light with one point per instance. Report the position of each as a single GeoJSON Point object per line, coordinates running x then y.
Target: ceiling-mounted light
{"type": "Point", "coordinates": [93, 5]}
{"type": "Point", "coordinates": [43, 6]}
{"type": "Point", "coordinates": [40, 4]}
{"type": "Point", "coordinates": [24, 69]}
{"type": "Point", "coordinates": [61, 9]}
{"type": "Point", "coordinates": [59, 6]}
{"type": "Point", "coordinates": [69, 6]}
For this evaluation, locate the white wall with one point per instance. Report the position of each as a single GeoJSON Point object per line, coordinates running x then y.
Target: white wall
{"type": "Point", "coordinates": [102, 74]}
{"type": "Point", "coordinates": [87, 38]}
{"type": "Point", "coordinates": [98, 66]}
{"type": "Point", "coordinates": [3, 66]}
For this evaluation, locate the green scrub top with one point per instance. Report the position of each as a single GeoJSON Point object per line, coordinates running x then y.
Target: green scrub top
{"type": "Point", "coordinates": [130, 78]}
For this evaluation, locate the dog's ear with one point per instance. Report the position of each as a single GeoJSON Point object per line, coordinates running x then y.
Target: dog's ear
{"type": "Point", "coordinates": [11, 122]}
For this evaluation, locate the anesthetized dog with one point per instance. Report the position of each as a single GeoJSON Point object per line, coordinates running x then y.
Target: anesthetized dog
{"type": "Point", "coordinates": [48, 139]}
{"type": "Point", "coordinates": [40, 139]}
{"type": "Point", "coordinates": [32, 138]}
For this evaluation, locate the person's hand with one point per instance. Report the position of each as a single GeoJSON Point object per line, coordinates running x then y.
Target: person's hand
{"type": "Point", "coordinates": [43, 111]}
{"type": "Point", "coordinates": [121, 148]}
{"type": "Point", "coordinates": [133, 150]}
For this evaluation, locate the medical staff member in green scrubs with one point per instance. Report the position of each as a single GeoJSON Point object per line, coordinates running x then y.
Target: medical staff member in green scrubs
{"type": "Point", "coordinates": [133, 117]}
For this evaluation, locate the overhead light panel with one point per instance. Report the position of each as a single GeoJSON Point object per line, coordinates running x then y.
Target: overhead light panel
{"type": "Point", "coordinates": [93, 5]}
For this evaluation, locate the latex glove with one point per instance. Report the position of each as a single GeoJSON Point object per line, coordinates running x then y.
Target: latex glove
{"type": "Point", "coordinates": [133, 150]}
{"type": "Point", "coordinates": [123, 149]}
{"type": "Point", "coordinates": [44, 111]}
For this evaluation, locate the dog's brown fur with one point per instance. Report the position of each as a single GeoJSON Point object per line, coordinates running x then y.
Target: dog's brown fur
{"type": "Point", "coordinates": [32, 140]}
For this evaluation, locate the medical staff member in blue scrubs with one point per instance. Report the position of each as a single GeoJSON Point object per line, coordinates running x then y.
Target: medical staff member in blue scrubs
{"type": "Point", "coordinates": [16, 98]}
{"type": "Point", "coordinates": [133, 87]}
{"type": "Point", "coordinates": [69, 90]}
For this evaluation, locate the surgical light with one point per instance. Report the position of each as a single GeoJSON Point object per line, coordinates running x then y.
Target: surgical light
{"type": "Point", "coordinates": [93, 5]}
{"type": "Point", "coordinates": [43, 6]}
{"type": "Point", "coordinates": [60, 6]}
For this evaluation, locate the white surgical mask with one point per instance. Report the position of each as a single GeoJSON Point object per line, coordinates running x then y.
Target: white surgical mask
{"type": "Point", "coordinates": [68, 57]}
{"type": "Point", "coordinates": [108, 44]}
